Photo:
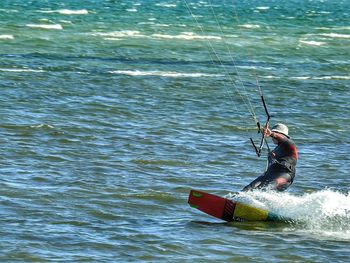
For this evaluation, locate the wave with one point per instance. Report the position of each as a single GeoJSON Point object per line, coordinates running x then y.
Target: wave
{"type": "Point", "coordinates": [42, 26]}
{"type": "Point", "coordinates": [154, 196]}
{"type": "Point", "coordinates": [120, 34]}
{"type": "Point", "coordinates": [162, 25]}
{"type": "Point", "coordinates": [322, 78]}
{"type": "Point", "coordinates": [116, 35]}
{"type": "Point", "coordinates": [21, 70]}
{"type": "Point", "coordinates": [67, 11]}
{"type": "Point", "coordinates": [73, 12]}
{"type": "Point", "coordinates": [312, 43]}
{"type": "Point", "coordinates": [301, 78]}
{"type": "Point", "coordinates": [6, 37]}
{"type": "Point", "coordinates": [146, 23]}
{"type": "Point", "coordinates": [334, 77]}
{"type": "Point", "coordinates": [325, 212]}
{"type": "Point", "coordinates": [249, 26]}
{"type": "Point", "coordinates": [168, 5]}
{"type": "Point", "coordinates": [255, 67]}
{"type": "Point", "coordinates": [9, 10]}
{"type": "Point", "coordinates": [334, 28]}
{"type": "Point", "coordinates": [170, 74]}
{"type": "Point", "coordinates": [335, 35]}
{"type": "Point", "coordinates": [66, 22]}
{"type": "Point", "coordinates": [186, 36]}
{"type": "Point", "coordinates": [263, 8]}
{"type": "Point", "coordinates": [270, 77]}
{"type": "Point", "coordinates": [45, 126]}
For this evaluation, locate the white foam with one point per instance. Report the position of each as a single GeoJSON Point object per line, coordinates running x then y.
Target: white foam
{"type": "Point", "coordinates": [263, 8]}
{"type": "Point", "coordinates": [185, 36]}
{"type": "Point", "coordinates": [341, 28]}
{"type": "Point", "coordinates": [49, 27]}
{"type": "Point", "coordinates": [9, 10]}
{"type": "Point", "coordinates": [46, 20]}
{"type": "Point", "coordinates": [168, 5]}
{"type": "Point", "coordinates": [333, 77]}
{"type": "Point", "coordinates": [325, 213]}
{"type": "Point", "coordinates": [120, 34]}
{"type": "Point", "coordinates": [73, 12]}
{"type": "Point", "coordinates": [66, 21]}
{"type": "Point", "coordinates": [6, 37]}
{"type": "Point", "coordinates": [162, 25]}
{"type": "Point", "coordinates": [312, 43]}
{"type": "Point", "coordinates": [112, 39]}
{"type": "Point", "coordinates": [249, 26]}
{"type": "Point", "coordinates": [138, 34]}
{"type": "Point", "coordinates": [170, 74]}
{"type": "Point", "coordinates": [42, 126]}
{"type": "Point", "coordinates": [256, 67]}
{"type": "Point", "coordinates": [270, 77]}
{"type": "Point", "coordinates": [146, 23]}
{"type": "Point", "coordinates": [67, 11]}
{"type": "Point", "coordinates": [20, 70]}
{"type": "Point", "coordinates": [301, 78]}
{"type": "Point", "coordinates": [335, 35]}
{"type": "Point", "coordinates": [246, 67]}
{"type": "Point", "coordinates": [323, 78]}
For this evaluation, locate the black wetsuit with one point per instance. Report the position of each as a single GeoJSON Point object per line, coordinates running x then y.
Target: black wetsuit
{"type": "Point", "coordinates": [281, 167]}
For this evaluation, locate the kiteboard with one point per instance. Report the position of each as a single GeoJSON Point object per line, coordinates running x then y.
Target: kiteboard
{"type": "Point", "coordinates": [229, 210]}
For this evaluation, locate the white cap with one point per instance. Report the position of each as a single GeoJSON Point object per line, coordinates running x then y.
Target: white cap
{"type": "Point", "coordinates": [280, 128]}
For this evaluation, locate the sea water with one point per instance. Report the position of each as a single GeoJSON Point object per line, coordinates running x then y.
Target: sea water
{"type": "Point", "coordinates": [111, 111]}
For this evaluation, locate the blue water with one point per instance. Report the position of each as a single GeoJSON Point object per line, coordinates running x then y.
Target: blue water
{"type": "Point", "coordinates": [111, 111]}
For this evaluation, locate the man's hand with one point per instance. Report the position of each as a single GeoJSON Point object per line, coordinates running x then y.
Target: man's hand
{"type": "Point", "coordinates": [266, 131]}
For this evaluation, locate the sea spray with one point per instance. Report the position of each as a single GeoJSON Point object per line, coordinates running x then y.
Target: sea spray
{"type": "Point", "coordinates": [325, 213]}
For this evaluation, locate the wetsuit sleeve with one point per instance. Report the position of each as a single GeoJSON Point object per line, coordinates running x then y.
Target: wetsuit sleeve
{"type": "Point", "coordinates": [279, 137]}
{"type": "Point", "coordinates": [289, 147]}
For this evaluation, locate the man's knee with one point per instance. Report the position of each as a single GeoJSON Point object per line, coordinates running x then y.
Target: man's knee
{"type": "Point", "coordinates": [282, 183]}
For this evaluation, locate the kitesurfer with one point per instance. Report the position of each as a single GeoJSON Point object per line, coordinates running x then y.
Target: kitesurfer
{"type": "Point", "coordinates": [282, 160]}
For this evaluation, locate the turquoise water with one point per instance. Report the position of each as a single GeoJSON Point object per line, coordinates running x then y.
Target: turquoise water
{"type": "Point", "coordinates": [111, 111]}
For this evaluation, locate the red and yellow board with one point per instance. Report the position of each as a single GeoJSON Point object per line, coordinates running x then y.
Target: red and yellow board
{"type": "Point", "coordinates": [227, 209]}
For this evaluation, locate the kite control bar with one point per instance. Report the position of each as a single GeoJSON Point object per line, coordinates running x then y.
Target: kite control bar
{"type": "Point", "coordinates": [263, 139]}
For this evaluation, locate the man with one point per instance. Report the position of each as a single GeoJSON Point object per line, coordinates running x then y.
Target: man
{"type": "Point", "coordinates": [281, 161]}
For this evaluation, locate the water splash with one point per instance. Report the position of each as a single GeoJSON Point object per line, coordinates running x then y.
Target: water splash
{"type": "Point", "coordinates": [323, 213]}
{"type": "Point", "coordinates": [45, 126]}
